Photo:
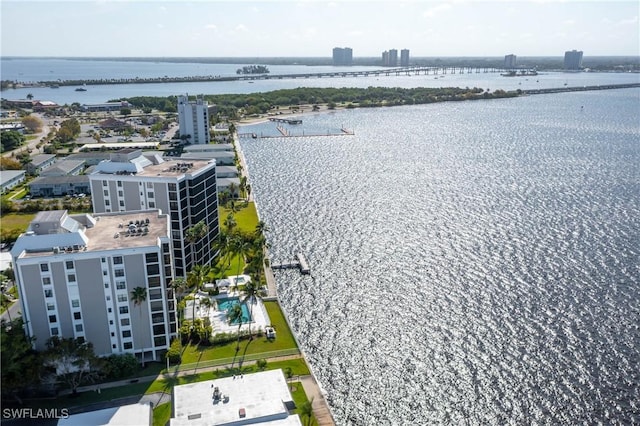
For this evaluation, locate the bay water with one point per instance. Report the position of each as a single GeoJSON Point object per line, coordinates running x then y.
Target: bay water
{"type": "Point", "coordinates": [471, 262]}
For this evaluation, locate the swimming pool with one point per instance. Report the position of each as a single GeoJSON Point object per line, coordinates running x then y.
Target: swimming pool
{"type": "Point", "coordinates": [225, 304]}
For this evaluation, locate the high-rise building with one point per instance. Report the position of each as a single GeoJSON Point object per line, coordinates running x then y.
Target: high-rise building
{"type": "Point", "coordinates": [390, 58]}
{"type": "Point", "coordinates": [342, 56]}
{"type": "Point", "coordinates": [510, 62]}
{"type": "Point", "coordinates": [573, 60]}
{"type": "Point", "coordinates": [76, 275]}
{"type": "Point", "coordinates": [404, 58]}
{"type": "Point", "coordinates": [184, 189]}
{"type": "Point", "coordinates": [193, 117]}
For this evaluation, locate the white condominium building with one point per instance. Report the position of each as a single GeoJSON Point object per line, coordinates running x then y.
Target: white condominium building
{"type": "Point", "coordinates": [193, 117]}
{"type": "Point", "coordinates": [76, 275]}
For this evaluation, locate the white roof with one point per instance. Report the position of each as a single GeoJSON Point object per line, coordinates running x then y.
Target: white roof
{"type": "Point", "coordinates": [262, 396]}
{"type": "Point", "coordinates": [133, 414]}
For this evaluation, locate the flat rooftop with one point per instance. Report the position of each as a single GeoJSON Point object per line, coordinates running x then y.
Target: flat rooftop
{"type": "Point", "coordinates": [253, 398]}
{"type": "Point", "coordinates": [133, 414]}
{"type": "Point", "coordinates": [115, 230]}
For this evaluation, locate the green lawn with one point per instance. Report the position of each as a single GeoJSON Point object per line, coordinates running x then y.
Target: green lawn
{"type": "Point", "coordinates": [167, 382]}
{"type": "Point", "coordinates": [246, 216]}
{"type": "Point", "coordinates": [162, 414]}
{"type": "Point", "coordinates": [17, 220]}
{"type": "Point", "coordinates": [300, 397]}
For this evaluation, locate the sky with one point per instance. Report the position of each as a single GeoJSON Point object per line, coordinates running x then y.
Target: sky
{"type": "Point", "coordinates": [312, 28]}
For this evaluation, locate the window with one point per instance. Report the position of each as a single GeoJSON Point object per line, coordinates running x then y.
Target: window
{"type": "Point", "coordinates": [153, 270]}
{"type": "Point", "coordinates": [54, 331]}
{"type": "Point", "coordinates": [152, 205]}
{"type": "Point", "coordinates": [126, 333]}
{"type": "Point", "coordinates": [172, 186]}
{"type": "Point", "coordinates": [150, 194]}
{"type": "Point", "coordinates": [124, 309]}
{"type": "Point", "coordinates": [106, 285]}
{"type": "Point", "coordinates": [113, 334]}
{"type": "Point", "coordinates": [158, 329]}
{"type": "Point", "coordinates": [75, 303]}
{"type": "Point", "coordinates": [46, 280]}
{"type": "Point", "coordinates": [69, 264]}
{"type": "Point", "coordinates": [106, 193]}
{"type": "Point", "coordinates": [51, 307]}
{"type": "Point", "coordinates": [121, 285]}
{"type": "Point", "coordinates": [124, 322]}
{"type": "Point", "coordinates": [160, 341]}
{"type": "Point", "coordinates": [77, 316]}
{"type": "Point", "coordinates": [127, 345]}
{"type": "Point", "coordinates": [48, 293]}
{"type": "Point", "coordinates": [149, 184]}
{"type": "Point", "coordinates": [119, 272]}
{"type": "Point", "coordinates": [151, 257]}
{"type": "Point", "coordinates": [105, 273]}
{"type": "Point", "coordinates": [104, 183]}
{"type": "Point", "coordinates": [108, 298]}
{"type": "Point", "coordinates": [79, 328]}
{"type": "Point", "coordinates": [157, 318]}
{"type": "Point", "coordinates": [110, 322]}
{"type": "Point", "coordinates": [121, 202]}
{"type": "Point", "coordinates": [122, 298]}
{"type": "Point", "coordinates": [120, 194]}
{"type": "Point", "coordinates": [107, 203]}
{"type": "Point", "coordinates": [52, 318]}
{"type": "Point", "coordinates": [117, 260]}
{"type": "Point", "coordinates": [103, 259]}
{"type": "Point", "coordinates": [119, 183]}
{"type": "Point", "coordinates": [44, 267]}
{"type": "Point", "coordinates": [113, 346]}
{"type": "Point", "coordinates": [154, 281]}
{"type": "Point", "coordinates": [109, 310]}
{"type": "Point", "coordinates": [71, 278]}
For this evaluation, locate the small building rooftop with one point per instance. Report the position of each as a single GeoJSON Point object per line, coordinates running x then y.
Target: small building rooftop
{"type": "Point", "coordinates": [259, 398]}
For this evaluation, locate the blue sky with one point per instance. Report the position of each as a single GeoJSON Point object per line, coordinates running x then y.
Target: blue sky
{"type": "Point", "coordinates": [312, 28]}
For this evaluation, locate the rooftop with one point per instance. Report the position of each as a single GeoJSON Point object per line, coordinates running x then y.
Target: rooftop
{"type": "Point", "coordinates": [259, 398]}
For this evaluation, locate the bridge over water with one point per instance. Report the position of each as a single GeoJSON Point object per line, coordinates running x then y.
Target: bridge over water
{"type": "Point", "coordinates": [387, 72]}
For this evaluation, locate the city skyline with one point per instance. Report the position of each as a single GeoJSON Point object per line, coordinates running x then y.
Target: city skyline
{"type": "Point", "coordinates": [313, 28]}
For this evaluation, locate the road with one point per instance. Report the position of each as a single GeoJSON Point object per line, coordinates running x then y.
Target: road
{"type": "Point", "coordinates": [31, 145]}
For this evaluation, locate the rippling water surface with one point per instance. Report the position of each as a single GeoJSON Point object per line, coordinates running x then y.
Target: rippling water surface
{"type": "Point", "coordinates": [472, 262]}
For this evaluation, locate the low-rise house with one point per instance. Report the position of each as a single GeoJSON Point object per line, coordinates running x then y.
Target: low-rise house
{"type": "Point", "coordinates": [56, 186]}
{"type": "Point", "coordinates": [15, 127]}
{"type": "Point", "coordinates": [223, 158]}
{"type": "Point", "coordinates": [64, 168]}
{"type": "Point", "coordinates": [40, 162]}
{"type": "Point", "coordinates": [226, 172]}
{"type": "Point", "coordinates": [258, 398]}
{"type": "Point", "coordinates": [90, 158]}
{"type": "Point", "coordinates": [231, 185]}
{"type": "Point", "coordinates": [107, 106]}
{"type": "Point", "coordinates": [11, 178]}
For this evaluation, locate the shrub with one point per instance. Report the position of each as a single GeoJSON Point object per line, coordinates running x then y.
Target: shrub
{"type": "Point", "coordinates": [174, 354]}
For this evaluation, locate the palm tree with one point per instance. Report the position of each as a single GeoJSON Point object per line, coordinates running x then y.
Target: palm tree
{"type": "Point", "coordinates": [223, 246]}
{"type": "Point", "coordinates": [251, 294]}
{"type": "Point", "coordinates": [139, 295]}
{"type": "Point", "coordinates": [306, 410]}
{"type": "Point", "coordinates": [230, 222]}
{"type": "Point", "coordinates": [196, 279]}
{"type": "Point", "coordinates": [234, 313]}
{"type": "Point", "coordinates": [240, 247]}
{"type": "Point", "coordinates": [196, 233]}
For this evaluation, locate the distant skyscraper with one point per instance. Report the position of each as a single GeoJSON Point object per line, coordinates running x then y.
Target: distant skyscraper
{"type": "Point", "coordinates": [393, 58]}
{"type": "Point", "coordinates": [404, 58]}
{"type": "Point", "coordinates": [573, 60]}
{"type": "Point", "coordinates": [510, 61]}
{"type": "Point", "coordinates": [193, 117]}
{"type": "Point", "coordinates": [390, 58]}
{"type": "Point", "coordinates": [342, 56]}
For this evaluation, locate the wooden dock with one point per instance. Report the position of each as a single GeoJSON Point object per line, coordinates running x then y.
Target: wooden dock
{"type": "Point", "coordinates": [286, 120]}
{"type": "Point", "coordinates": [300, 262]}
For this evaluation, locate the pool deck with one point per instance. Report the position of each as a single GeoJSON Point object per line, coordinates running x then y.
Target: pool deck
{"type": "Point", "coordinates": [219, 318]}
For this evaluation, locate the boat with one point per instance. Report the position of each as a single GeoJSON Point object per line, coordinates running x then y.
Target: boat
{"type": "Point", "coordinates": [81, 89]}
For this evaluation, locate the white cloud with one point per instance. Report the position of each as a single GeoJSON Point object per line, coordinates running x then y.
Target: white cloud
{"type": "Point", "coordinates": [242, 28]}
{"type": "Point", "coordinates": [630, 21]}
{"type": "Point", "coordinates": [569, 22]}
{"type": "Point", "coordinates": [211, 27]}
